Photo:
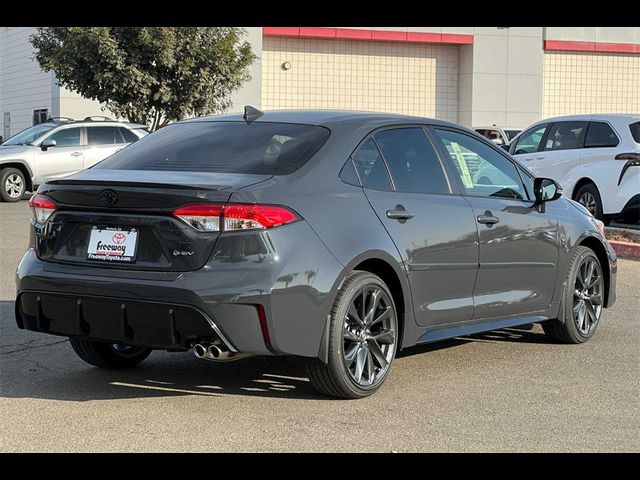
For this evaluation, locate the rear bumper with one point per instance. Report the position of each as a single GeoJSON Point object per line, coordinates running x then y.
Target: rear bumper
{"type": "Point", "coordinates": [152, 324]}
{"type": "Point", "coordinates": [290, 277]}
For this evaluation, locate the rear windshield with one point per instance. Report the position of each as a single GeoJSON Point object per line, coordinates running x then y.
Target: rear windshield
{"type": "Point", "coordinates": [635, 131]}
{"type": "Point", "coordinates": [223, 147]}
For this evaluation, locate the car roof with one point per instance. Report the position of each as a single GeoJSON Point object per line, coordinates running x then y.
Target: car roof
{"type": "Point", "coordinates": [103, 123]}
{"type": "Point", "coordinates": [496, 127]}
{"type": "Point", "coordinates": [592, 116]}
{"type": "Point", "coordinates": [324, 117]}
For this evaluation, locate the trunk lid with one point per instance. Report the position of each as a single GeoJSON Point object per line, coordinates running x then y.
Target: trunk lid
{"type": "Point", "coordinates": [139, 204]}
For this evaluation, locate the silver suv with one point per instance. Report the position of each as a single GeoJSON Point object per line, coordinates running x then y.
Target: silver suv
{"type": "Point", "coordinates": [59, 147]}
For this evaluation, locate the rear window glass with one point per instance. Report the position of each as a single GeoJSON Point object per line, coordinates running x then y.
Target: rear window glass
{"type": "Point", "coordinates": [600, 134]}
{"type": "Point", "coordinates": [223, 147]}
{"type": "Point", "coordinates": [127, 135]}
{"type": "Point", "coordinates": [635, 131]}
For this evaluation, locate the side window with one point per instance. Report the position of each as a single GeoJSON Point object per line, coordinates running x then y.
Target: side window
{"type": "Point", "coordinates": [348, 174]}
{"type": "Point", "coordinates": [127, 135]}
{"type": "Point", "coordinates": [102, 136]}
{"type": "Point", "coordinates": [565, 135]}
{"type": "Point", "coordinates": [67, 137]}
{"type": "Point", "coordinates": [635, 131]}
{"type": "Point", "coordinates": [483, 171]}
{"type": "Point", "coordinates": [530, 141]}
{"type": "Point", "coordinates": [412, 160]}
{"type": "Point", "coordinates": [600, 134]}
{"type": "Point", "coordinates": [371, 167]}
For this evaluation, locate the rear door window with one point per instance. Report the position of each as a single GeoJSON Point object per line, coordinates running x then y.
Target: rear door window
{"type": "Point", "coordinates": [102, 136]}
{"type": "Point", "coordinates": [600, 134]}
{"type": "Point", "coordinates": [412, 160]}
{"type": "Point", "coordinates": [223, 147]}
{"type": "Point", "coordinates": [565, 136]}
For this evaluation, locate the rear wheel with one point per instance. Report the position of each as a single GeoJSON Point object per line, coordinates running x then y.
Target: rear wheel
{"type": "Point", "coordinates": [12, 184]}
{"type": "Point", "coordinates": [362, 339]}
{"type": "Point", "coordinates": [108, 355]}
{"type": "Point", "coordinates": [582, 301]}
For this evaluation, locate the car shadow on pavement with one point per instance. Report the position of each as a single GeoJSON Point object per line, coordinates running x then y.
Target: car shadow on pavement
{"type": "Point", "coordinates": [533, 334]}
{"type": "Point", "coordinates": [161, 375]}
{"type": "Point", "coordinates": [45, 367]}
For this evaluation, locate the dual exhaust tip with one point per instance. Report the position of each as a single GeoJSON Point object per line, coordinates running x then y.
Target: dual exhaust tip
{"type": "Point", "coordinates": [214, 353]}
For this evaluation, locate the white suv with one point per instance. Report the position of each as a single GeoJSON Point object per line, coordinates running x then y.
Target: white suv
{"type": "Point", "coordinates": [595, 158]}
{"type": "Point", "coordinates": [57, 148]}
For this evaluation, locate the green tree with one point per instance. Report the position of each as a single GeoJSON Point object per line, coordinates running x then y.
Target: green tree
{"type": "Point", "coordinates": [150, 75]}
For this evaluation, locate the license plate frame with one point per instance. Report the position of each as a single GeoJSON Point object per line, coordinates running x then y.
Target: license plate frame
{"type": "Point", "coordinates": [112, 245]}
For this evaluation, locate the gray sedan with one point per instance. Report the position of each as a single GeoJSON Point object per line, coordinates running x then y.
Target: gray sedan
{"type": "Point", "coordinates": [335, 237]}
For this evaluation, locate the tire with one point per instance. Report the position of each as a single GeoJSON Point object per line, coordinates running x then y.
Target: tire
{"type": "Point", "coordinates": [565, 328]}
{"type": "Point", "coordinates": [10, 180]}
{"type": "Point", "coordinates": [589, 196]}
{"type": "Point", "coordinates": [338, 378]}
{"type": "Point", "coordinates": [106, 355]}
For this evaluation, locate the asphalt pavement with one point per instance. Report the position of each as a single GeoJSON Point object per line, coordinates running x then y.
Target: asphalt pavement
{"type": "Point", "coordinates": [510, 390]}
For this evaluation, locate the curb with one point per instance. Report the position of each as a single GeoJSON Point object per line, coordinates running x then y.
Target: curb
{"type": "Point", "coordinates": [626, 250]}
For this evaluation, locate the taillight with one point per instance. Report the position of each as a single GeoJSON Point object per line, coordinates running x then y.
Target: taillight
{"type": "Point", "coordinates": [234, 216]}
{"type": "Point", "coordinates": [632, 159]}
{"type": "Point", "coordinates": [42, 207]}
{"type": "Point", "coordinates": [205, 218]}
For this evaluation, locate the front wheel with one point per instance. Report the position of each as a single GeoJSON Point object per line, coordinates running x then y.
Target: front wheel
{"type": "Point", "coordinates": [582, 301]}
{"type": "Point", "coordinates": [362, 339]}
{"type": "Point", "coordinates": [108, 355]}
{"type": "Point", "coordinates": [12, 184]}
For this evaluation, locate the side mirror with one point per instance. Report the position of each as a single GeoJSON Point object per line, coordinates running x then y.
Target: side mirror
{"type": "Point", "coordinates": [546, 190]}
{"type": "Point", "coordinates": [47, 144]}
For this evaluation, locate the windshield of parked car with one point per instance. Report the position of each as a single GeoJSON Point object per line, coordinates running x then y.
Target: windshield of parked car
{"type": "Point", "coordinates": [223, 147]}
{"type": "Point", "coordinates": [512, 133]}
{"type": "Point", "coordinates": [29, 135]}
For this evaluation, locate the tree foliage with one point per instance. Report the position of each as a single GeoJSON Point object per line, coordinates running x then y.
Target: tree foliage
{"type": "Point", "coordinates": [150, 75]}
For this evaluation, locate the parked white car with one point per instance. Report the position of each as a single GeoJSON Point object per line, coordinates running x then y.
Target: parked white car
{"type": "Point", "coordinates": [595, 158]}
{"type": "Point", "coordinates": [499, 135]}
{"type": "Point", "coordinates": [57, 148]}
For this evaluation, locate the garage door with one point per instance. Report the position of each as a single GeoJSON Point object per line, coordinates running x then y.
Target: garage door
{"type": "Point", "coordinates": [414, 79]}
{"type": "Point", "coordinates": [584, 82]}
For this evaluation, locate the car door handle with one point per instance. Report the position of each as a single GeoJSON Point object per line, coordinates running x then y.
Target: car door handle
{"type": "Point", "coordinates": [488, 219]}
{"type": "Point", "coordinates": [76, 154]}
{"type": "Point", "coordinates": [399, 214]}
{"type": "Point", "coordinates": [540, 158]}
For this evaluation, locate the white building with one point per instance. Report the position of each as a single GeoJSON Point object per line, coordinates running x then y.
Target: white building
{"type": "Point", "coordinates": [473, 75]}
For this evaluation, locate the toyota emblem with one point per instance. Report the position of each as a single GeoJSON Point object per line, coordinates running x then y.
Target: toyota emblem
{"type": "Point", "coordinates": [119, 238]}
{"type": "Point", "coordinates": [108, 197]}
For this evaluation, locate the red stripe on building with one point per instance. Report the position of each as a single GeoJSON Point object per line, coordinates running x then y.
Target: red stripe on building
{"type": "Point", "coordinates": [370, 35]}
{"type": "Point", "coordinates": [353, 34]}
{"type": "Point", "coordinates": [317, 32]}
{"type": "Point", "coordinates": [567, 46]}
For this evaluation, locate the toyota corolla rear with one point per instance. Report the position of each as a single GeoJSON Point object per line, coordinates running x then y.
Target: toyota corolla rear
{"type": "Point", "coordinates": [151, 248]}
